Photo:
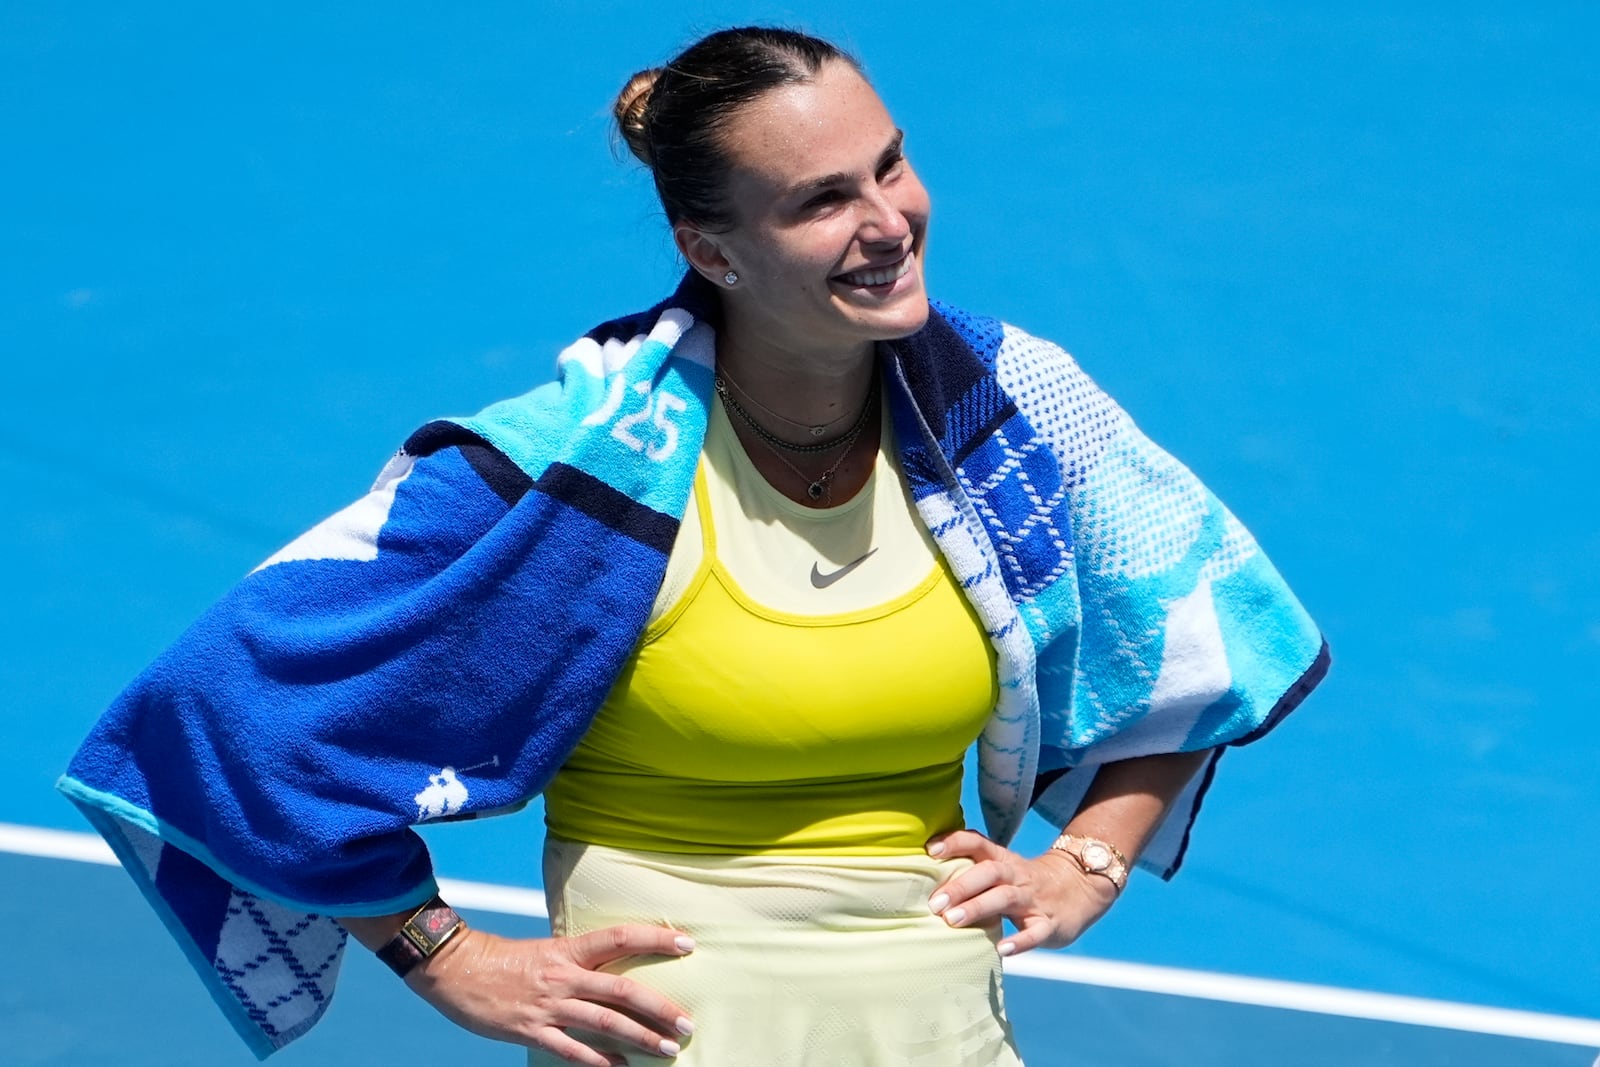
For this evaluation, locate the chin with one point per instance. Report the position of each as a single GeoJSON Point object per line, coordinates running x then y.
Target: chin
{"type": "Point", "coordinates": [885, 312]}
{"type": "Point", "coordinates": [906, 321]}
{"type": "Point", "coordinates": [904, 317]}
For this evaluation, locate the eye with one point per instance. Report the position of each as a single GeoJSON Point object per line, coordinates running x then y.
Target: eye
{"type": "Point", "coordinates": [890, 166]}
{"type": "Point", "coordinates": [823, 199]}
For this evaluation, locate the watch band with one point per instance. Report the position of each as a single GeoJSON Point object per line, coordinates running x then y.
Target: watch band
{"type": "Point", "coordinates": [420, 936]}
{"type": "Point", "coordinates": [1094, 856]}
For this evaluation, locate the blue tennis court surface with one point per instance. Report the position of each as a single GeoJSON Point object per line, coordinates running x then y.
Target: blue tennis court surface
{"type": "Point", "coordinates": [1340, 259]}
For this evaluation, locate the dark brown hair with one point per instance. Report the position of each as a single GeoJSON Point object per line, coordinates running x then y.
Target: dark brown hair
{"type": "Point", "coordinates": [671, 116]}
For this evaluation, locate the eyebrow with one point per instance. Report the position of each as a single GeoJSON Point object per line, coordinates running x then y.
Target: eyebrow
{"type": "Point", "coordinates": [893, 148]}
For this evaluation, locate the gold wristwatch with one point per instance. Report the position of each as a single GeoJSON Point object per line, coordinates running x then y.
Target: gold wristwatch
{"type": "Point", "coordinates": [1094, 856]}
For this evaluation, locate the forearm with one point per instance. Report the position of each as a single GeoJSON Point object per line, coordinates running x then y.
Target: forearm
{"type": "Point", "coordinates": [1128, 799]}
{"type": "Point", "coordinates": [375, 931]}
{"type": "Point", "coordinates": [528, 992]}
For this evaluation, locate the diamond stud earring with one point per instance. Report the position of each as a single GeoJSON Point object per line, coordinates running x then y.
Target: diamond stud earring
{"type": "Point", "coordinates": [732, 277]}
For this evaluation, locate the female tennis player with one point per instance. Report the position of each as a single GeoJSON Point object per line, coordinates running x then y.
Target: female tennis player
{"type": "Point", "coordinates": [736, 595]}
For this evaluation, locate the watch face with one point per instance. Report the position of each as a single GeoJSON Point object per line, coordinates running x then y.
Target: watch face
{"type": "Point", "coordinates": [1096, 856]}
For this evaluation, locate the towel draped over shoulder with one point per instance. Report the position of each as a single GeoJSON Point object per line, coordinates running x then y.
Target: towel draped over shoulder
{"type": "Point", "coordinates": [436, 649]}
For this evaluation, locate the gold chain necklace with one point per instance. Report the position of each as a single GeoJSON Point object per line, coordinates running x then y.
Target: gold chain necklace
{"type": "Point", "coordinates": [773, 440]}
{"type": "Point", "coordinates": [821, 487]}
{"type": "Point", "coordinates": [815, 430]}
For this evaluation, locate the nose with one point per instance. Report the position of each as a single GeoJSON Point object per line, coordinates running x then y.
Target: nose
{"type": "Point", "coordinates": [883, 222]}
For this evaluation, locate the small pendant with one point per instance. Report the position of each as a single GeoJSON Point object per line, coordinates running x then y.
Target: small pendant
{"type": "Point", "coordinates": [814, 490]}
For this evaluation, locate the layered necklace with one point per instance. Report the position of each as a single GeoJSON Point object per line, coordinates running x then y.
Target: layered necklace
{"type": "Point", "coordinates": [818, 488]}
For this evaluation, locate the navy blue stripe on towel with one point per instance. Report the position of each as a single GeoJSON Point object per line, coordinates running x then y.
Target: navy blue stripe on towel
{"type": "Point", "coordinates": [509, 481]}
{"type": "Point", "coordinates": [602, 503]}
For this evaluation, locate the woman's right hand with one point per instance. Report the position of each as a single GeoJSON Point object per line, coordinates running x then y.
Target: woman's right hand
{"type": "Point", "coordinates": [526, 991]}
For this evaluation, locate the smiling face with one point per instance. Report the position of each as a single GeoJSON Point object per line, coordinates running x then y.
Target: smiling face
{"type": "Point", "coordinates": [830, 221]}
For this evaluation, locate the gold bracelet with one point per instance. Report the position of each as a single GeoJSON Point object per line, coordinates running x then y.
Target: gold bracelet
{"type": "Point", "coordinates": [1094, 856]}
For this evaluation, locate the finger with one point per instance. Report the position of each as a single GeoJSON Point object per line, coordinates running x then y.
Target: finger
{"type": "Point", "coordinates": [963, 843]}
{"type": "Point", "coordinates": [969, 883]}
{"type": "Point", "coordinates": [599, 1019]}
{"type": "Point", "coordinates": [600, 988]}
{"type": "Point", "coordinates": [1002, 901]}
{"type": "Point", "coordinates": [600, 947]}
{"type": "Point", "coordinates": [1033, 933]}
{"type": "Point", "coordinates": [559, 1044]}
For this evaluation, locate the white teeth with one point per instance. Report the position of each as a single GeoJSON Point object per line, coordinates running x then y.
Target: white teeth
{"type": "Point", "coordinates": [879, 277]}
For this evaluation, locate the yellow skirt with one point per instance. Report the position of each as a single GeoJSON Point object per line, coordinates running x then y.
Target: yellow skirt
{"type": "Point", "coordinates": [811, 960]}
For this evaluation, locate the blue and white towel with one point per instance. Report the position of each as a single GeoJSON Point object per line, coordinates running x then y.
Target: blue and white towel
{"type": "Point", "coordinates": [437, 648]}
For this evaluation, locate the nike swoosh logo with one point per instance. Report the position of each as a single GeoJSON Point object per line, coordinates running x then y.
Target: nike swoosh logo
{"type": "Point", "coordinates": [822, 581]}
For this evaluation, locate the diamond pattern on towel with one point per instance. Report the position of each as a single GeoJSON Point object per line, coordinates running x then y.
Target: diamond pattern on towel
{"type": "Point", "coordinates": [1027, 521]}
{"type": "Point", "coordinates": [1116, 472]}
{"type": "Point", "coordinates": [280, 964]}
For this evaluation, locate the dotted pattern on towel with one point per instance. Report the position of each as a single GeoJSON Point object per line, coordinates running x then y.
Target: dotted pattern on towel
{"type": "Point", "coordinates": [1113, 468]}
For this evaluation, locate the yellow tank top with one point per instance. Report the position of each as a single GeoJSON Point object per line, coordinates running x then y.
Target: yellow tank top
{"type": "Point", "coordinates": [738, 728]}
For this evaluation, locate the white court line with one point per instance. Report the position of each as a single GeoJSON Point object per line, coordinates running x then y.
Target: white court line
{"type": "Point", "coordinates": [1052, 966]}
{"type": "Point", "coordinates": [89, 848]}
{"type": "Point", "coordinates": [1302, 996]}
{"type": "Point", "coordinates": [55, 844]}
{"type": "Point", "coordinates": [485, 896]}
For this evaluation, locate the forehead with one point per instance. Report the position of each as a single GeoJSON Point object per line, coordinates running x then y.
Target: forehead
{"type": "Point", "coordinates": [834, 123]}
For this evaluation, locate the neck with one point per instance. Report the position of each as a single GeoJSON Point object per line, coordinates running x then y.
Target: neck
{"type": "Point", "coordinates": [810, 387]}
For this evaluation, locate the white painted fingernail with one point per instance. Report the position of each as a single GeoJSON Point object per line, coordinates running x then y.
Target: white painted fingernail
{"type": "Point", "coordinates": [685, 943]}
{"type": "Point", "coordinates": [670, 1048]}
{"type": "Point", "coordinates": [955, 915]}
{"type": "Point", "coordinates": [936, 849]}
{"type": "Point", "coordinates": [1007, 948]}
{"type": "Point", "coordinates": [685, 1027]}
{"type": "Point", "coordinates": [938, 902]}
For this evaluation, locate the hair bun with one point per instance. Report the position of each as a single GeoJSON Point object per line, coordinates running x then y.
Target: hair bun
{"type": "Point", "coordinates": [629, 110]}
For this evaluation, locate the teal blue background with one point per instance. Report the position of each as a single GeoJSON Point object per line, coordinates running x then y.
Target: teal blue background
{"type": "Point", "coordinates": [1340, 259]}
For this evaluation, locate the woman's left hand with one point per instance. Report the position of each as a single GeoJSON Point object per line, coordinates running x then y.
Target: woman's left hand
{"type": "Point", "coordinates": [1049, 899]}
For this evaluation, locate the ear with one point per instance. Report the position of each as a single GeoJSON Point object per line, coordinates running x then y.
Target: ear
{"type": "Point", "coordinates": [702, 250]}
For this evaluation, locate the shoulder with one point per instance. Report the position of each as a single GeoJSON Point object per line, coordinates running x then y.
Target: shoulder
{"type": "Point", "coordinates": [590, 377]}
{"type": "Point", "coordinates": [1032, 370]}
{"type": "Point", "coordinates": [1000, 345]}
{"type": "Point", "coordinates": [1067, 410]}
